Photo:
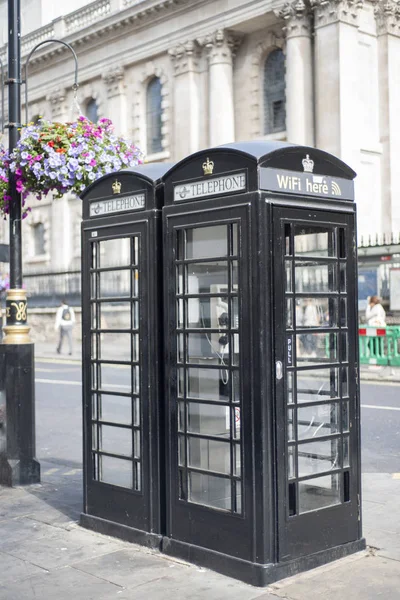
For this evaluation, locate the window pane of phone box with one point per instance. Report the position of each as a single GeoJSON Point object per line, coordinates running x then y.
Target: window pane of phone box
{"type": "Point", "coordinates": [207, 242]}
{"type": "Point", "coordinates": [317, 385]}
{"type": "Point", "coordinates": [116, 409]}
{"type": "Point", "coordinates": [319, 493]}
{"type": "Point", "coordinates": [208, 384]}
{"type": "Point", "coordinates": [317, 457]}
{"type": "Point", "coordinates": [115, 471]}
{"type": "Point", "coordinates": [208, 419]}
{"type": "Point", "coordinates": [314, 241]}
{"type": "Point", "coordinates": [209, 455]}
{"type": "Point", "coordinates": [210, 490]}
{"type": "Point", "coordinates": [316, 348]}
{"type": "Point", "coordinates": [318, 420]}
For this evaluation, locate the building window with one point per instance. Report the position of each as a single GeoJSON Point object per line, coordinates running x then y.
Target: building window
{"type": "Point", "coordinates": [92, 112]}
{"type": "Point", "coordinates": [274, 93]}
{"type": "Point", "coordinates": [38, 239]}
{"type": "Point", "coordinates": [153, 110]}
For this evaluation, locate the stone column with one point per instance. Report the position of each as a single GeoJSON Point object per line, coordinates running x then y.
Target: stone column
{"type": "Point", "coordinates": [116, 95]}
{"type": "Point", "coordinates": [387, 16]}
{"type": "Point", "coordinates": [185, 59]}
{"type": "Point", "coordinates": [221, 48]}
{"type": "Point", "coordinates": [299, 72]}
{"type": "Point", "coordinates": [336, 86]}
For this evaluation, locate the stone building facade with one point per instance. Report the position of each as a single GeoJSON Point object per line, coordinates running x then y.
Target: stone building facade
{"type": "Point", "coordinates": [176, 76]}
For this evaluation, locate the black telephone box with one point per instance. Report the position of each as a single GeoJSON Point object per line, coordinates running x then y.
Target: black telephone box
{"type": "Point", "coordinates": [262, 393]}
{"type": "Point", "coordinates": [122, 354]}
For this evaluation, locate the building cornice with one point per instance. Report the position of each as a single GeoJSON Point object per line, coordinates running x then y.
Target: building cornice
{"type": "Point", "coordinates": [327, 12]}
{"type": "Point", "coordinates": [387, 15]}
{"type": "Point", "coordinates": [298, 18]}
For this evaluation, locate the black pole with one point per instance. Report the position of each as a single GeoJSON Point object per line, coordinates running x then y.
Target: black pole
{"type": "Point", "coordinates": [14, 117]}
{"type": "Point", "coordinates": [18, 464]}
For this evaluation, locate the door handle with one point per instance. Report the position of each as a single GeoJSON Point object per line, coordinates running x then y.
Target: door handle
{"type": "Point", "coordinates": [278, 370]}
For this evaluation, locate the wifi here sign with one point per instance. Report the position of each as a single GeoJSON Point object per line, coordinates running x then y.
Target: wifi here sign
{"type": "Point", "coordinates": [306, 184]}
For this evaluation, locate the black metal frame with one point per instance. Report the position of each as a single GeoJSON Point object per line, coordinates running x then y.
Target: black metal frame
{"type": "Point", "coordinates": [137, 513]}
{"type": "Point", "coordinates": [258, 546]}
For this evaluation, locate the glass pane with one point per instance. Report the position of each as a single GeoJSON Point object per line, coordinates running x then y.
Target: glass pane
{"type": "Point", "coordinates": [288, 245]}
{"type": "Point", "coordinates": [288, 271]}
{"type": "Point", "coordinates": [207, 278]}
{"type": "Point", "coordinates": [93, 353]}
{"type": "Point", "coordinates": [136, 411]}
{"type": "Point", "coordinates": [136, 444]}
{"type": "Point", "coordinates": [236, 421]}
{"type": "Point", "coordinates": [135, 283]}
{"type": "Point", "coordinates": [238, 496]}
{"type": "Point", "coordinates": [209, 419]}
{"type": "Point", "coordinates": [209, 455]}
{"type": "Point", "coordinates": [115, 440]}
{"type": "Point", "coordinates": [345, 416]}
{"type": "Point", "coordinates": [136, 380]}
{"type": "Point", "coordinates": [135, 251]}
{"type": "Point", "coordinates": [312, 277]}
{"type": "Point", "coordinates": [181, 416]}
{"type": "Point", "coordinates": [317, 348]}
{"type": "Point", "coordinates": [210, 490]}
{"type": "Point", "coordinates": [317, 457]}
{"type": "Point", "coordinates": [115, 346]}
{"type": "Point", "coordinates": [234, 239]}
{"type": "Point", "coordinates": [115, 377]}
{"type": "Point", "coordinates": [93, 258]}
{"type": "Point", "coordinates": [344, 372]}
{"type": "Point", "coordinates": [343, 312]}
{"type": "Point", "coordinates": [93, 312]}
{"type": "Point", "coordinates": [93, 285]}
{"type": "Point", "coordinates": [237, 461]}
{"type": "Point", "coordinates": [344, 347]}
{"type": "Point", "coordinates": [289, 313]}
{"type": "Point", "coordinates": [114, 284]}
{"type": "Point", "coordinates": [290, 387]}
{"type": "Point", "coordinates": [115, 253]}
{"type": "Point", "coordinates": [235, 382]}
{"type": "Point", "coordinates": [343, 277]}
{"type": "Point", "coordinates": [137, 477]}
{"type": "Point", "coordinates": [201, 346]}
{"type": "Point", "coordinates": [346, 451]}
{"type": "Point", "coordinates": [319, 493]}
{"type": "Point", "coordinates": [318, 385]}
{"type": "Point", "coordinates": [207, 384]}
{"type": "Point", "coordinates": [181, 450]}
{"type": "Point", "coordinates": [290, 425]}
{"type": "Point", "coordinates": [318, 421]}
{"type": "Point", "coordinates": [135, 315]}
{"type": "Point", "coordinates": [235, 313]}
{"type": "Point", "coordinates": [207, 242]}
{"type": "Point", "coordinates": [115, 471]}
{"type": "Point", "coordinates": [291, 462]}
{"type": "Point", "coordinates": [115, 315]}
{"type": "Point", "coordinates": [234, 276]}
{"type": "Point", "coordinates": [311, 240]}
{"type": "Point", "coordinates": [116, 409]}
{"type": "Point", "coordinates": [316, 312]}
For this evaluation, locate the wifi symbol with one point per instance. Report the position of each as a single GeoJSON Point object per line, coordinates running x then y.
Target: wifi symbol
{"type": "Point", "coordinates": [336, 191]}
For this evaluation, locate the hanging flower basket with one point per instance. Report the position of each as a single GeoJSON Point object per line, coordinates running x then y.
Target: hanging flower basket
{"type": "Point", "coordinates": [4, 164]}
{"type": "Point", "coordinates": [65, 157]}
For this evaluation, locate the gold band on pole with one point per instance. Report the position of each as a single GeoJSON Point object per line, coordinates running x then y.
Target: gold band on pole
{"type": "Point", "coordinates": [16, 330]}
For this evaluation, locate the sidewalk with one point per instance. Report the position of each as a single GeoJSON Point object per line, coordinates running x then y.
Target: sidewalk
{"type": "Point", "coordinates": [46, 555]}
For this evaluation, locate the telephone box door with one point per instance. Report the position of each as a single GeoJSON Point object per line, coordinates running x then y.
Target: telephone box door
{"type": "Point", "coordinates": [316, 380]}
{"type": "Point", "coordinates": [115, 378]}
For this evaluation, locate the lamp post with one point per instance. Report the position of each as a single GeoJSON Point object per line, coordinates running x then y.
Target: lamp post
{"type": "Point", "coordinates": [18, 464]}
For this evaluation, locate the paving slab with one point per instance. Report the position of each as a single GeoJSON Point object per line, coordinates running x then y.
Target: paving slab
{"type": "Point", "coordinates": [61, 548]}
{"type": "Point", "coordinates": [61, 584]}
{"type": "Point", "coordinates": [14, 570]}
{"type": "Point", "coordinates": [366, 578]}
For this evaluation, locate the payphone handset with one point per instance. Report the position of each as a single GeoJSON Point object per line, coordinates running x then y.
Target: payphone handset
{"type": "Point", "coordinates": [219, 312]}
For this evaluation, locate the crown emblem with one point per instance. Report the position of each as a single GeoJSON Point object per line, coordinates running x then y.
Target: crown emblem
{"type": "Point", "coordinates": [308, 164]}
{"type": "Point", "coordinates": [208, 167]}
{"type": "Point", "coordinates": [116, 187]}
